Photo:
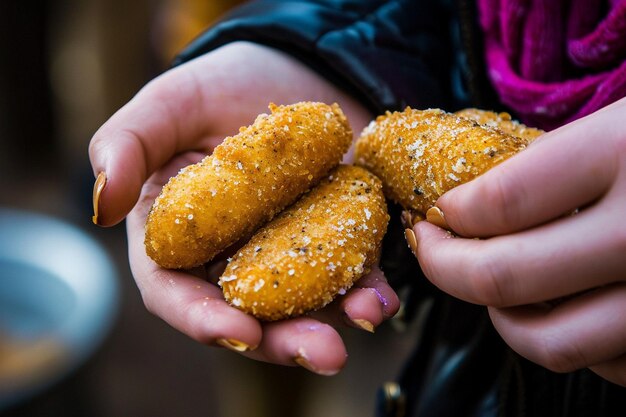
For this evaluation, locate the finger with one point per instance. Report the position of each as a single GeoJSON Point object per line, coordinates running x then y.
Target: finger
{"type": "Point", "coordinates": [375, 283]}
{"type": "Point", "coordinates": [304, 342]}
{"type": "Point", "coordinates": [166, 117]}
{"type": "Point", "coordinates": [613, 371]}
{"type": "Point", "coordinates": [365, 306]}
{"type": "Point", "coordinates": [556, 175]}
{"type": "Point", "coordinates": [197, 309]}
{"type": "Point", "coordinates": [188, 303]}
{"type": "Point", "coordinates": [581, 332]}
{"type": "Point", "coordinates": [562, 258]}
{"type": "Point", "coordinates": [194, 106]}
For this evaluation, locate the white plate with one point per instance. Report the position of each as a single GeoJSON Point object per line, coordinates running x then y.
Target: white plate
{"type": "Point", "coordinates": [58, 299]}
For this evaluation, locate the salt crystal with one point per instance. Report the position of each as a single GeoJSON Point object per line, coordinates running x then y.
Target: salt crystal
{"type": "Point", "coordinates": [460, 164]}
{"type": "Point", "coordinates": [228, 278]}
{"type": "Point", "coordinates": [259, 285]}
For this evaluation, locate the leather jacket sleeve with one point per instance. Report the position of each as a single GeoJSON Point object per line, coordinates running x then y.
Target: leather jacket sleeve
{"type": "Point", "coordinates": [389, 54]}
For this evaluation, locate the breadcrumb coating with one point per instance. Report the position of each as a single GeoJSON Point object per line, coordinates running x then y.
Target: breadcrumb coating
{"type": "Point", "coordinates": [421, 154]}
{"type": "Point", "coordinates": [311, 252]}
{"type": "Point", "coordinates": [247, 180]}
{"type": "Point", "coordinates": [502, 121]}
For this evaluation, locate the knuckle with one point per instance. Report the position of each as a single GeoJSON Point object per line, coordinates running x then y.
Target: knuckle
{"type": "Point", "coordinates": [149, 192]}
{"type": "Point", "coordinates": [560, 354]}
{"type": "Point", "coordinates": [175, 83]}
{"type": "Point", "coordinates": [147, 292]}
{"type": "Point", "coordinates": [159, 89]}
{"type": "Point", "coordinates": [488, 280]}
{"type": "Point", "coordinates": [98, 144]}
{"type": "Point", "coordinates": [504, 204]}
{"type": "Point", "coordinates": [148, 304]}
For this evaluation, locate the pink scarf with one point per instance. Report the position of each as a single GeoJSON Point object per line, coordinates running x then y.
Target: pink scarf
{"type": "Point", "coordinates": [553, 61]}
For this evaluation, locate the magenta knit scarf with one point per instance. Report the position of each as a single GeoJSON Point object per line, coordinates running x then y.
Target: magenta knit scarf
{"type": "Point", "coordinates": [553, 61]}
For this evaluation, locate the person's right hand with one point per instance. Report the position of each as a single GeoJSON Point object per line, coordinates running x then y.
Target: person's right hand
{"type": "Point", "coordinates": [174, 121]}
{"type": "Point", "coordinates": [550, 263]}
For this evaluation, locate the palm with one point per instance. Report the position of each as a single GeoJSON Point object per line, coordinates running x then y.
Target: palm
{"type": "Point", "coordinates": [176, 120]}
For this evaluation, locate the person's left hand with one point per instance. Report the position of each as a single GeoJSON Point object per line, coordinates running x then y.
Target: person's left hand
{"type": "Point", "coordinates": [174, 121]}
{"type": "Point", "coordinates": [553, 280]}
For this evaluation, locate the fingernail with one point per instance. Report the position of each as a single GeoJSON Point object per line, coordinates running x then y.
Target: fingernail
{"type": "Point", "coordinates": [363, 324]}
{"type": "Point", "coordinates": [302, 360]}
{"type": "Point", "coordinates": [97, 190]}
{"type": "Point", "coordinates": [409, 235]}
{"type": "Point", "coordinates": [435, 216]}
{"type": "Point", "coordinates": [233, 344]}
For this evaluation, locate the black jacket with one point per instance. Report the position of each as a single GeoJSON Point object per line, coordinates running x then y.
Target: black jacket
{"type": "Point", "coordinates": [379, 50]}
{"type": "Point", "coordinates": [421, 53]}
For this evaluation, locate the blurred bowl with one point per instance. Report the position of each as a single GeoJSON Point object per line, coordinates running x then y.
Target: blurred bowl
{"type": "Point", "coordinates": [58, 299]}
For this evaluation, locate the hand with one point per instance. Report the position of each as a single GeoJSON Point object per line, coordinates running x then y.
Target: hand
{"type": "Point", "coordinates": [174, 121]}
{"type": "Point", "coordinates": [553, 280]}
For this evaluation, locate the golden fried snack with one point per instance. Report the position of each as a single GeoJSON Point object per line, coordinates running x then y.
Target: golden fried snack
{"type": "Point", "coordinates": [312, 251]}
{"type": "Point", "coordinates": [247, 180]}
{"type": "Point", "coordinates": [421, 154]}
{"type": "Point", "coordinates": [502, 121]}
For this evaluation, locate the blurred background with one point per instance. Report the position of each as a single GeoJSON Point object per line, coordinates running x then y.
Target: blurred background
{"type": "Point", "coordinates": [65, 67]}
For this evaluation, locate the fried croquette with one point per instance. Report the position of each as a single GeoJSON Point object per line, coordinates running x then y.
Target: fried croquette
{"type": "Point", "coordinates": [421, 154]}
{"type": "Point", "coordinates": [247, 180]}
{"type": "Point", "coordinates": [312, 251]}
{"type": "Point", "coordinates": [502, 121]}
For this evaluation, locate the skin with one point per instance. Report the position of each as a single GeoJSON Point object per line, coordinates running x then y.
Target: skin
{"type": "Point", "coordinates": [517, 207]}
{"type": "Point", "coordinates": [174, 121]}
{"type": "Point", "coordinates": [553, 282]}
